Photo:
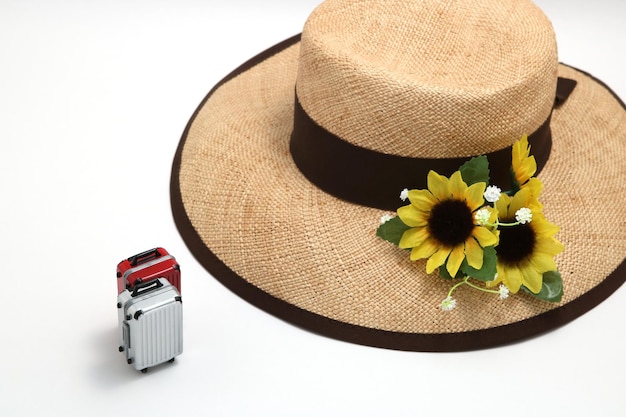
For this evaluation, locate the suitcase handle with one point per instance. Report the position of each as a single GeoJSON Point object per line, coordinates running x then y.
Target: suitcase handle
{"type": "Point", "coordinates": [144, 287]}
{"type": "Point", "coordinates": [143, 257]}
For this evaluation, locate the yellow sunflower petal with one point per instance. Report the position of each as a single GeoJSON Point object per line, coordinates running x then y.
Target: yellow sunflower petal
{"type": "Point", "coordinates": [536, 186]}
{"type": "Point", "coordinates": [457, 186]}
{"type": "Point", "coordinates": [412, 217]}
{"type": "Point", "coordinates": [523, 164]}
{"type": "Point", "coordinates": [497, 280]}
{"type": "Point", "coordinates": [422, 199]}
{"type": "Point", "coordinates": [455, 259]}
{"type": "Point", "coordinates": [542, 262]}
{"type": "Point", "coordinates": [438, 185]}
{"type": "Point", "coordinates": [493, 215]}
{"type": "Point", "coordinates": [425, 250]}
{"type": "Point", "coordinates": [526, 170]}
{"type": "Point", "coordinates": [512, 278]}
{"type": "Point", "coordinates": [549, 246]}
{"type": "Point", "coordinates": [473, 253]}
{"type": "Point", "coordinates": [437, 259]}
{"type": "Point", "coordinates": [413, 237]}
{"type": "Point", "coordinates": [520, 149]}
{"type": "Point", "coordinates": [502, 206]}
{"type": "Point", "coordinates": [542, 227]}
{"type": "Point", "coordinates": [522, 198]}
{"type": "Point", "coordinates": [531, 278]}
{"type": "Point", "coordinates": [474, 195]}
{"type": "Point", "coordinates": [484, 236]}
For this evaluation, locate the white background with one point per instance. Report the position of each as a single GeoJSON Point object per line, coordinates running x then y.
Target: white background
{"type": "Point", "coordinates": [94, 96]}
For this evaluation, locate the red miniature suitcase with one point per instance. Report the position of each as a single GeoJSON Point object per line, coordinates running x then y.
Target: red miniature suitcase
{"type": "Point", "coordinates": [146, 266]}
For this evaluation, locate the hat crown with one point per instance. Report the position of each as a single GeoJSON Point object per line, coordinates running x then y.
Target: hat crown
{"type": "Point", "coordinates": [428, 78]}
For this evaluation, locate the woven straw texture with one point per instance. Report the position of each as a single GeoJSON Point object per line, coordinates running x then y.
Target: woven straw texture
{"type": "Point", "coordinates": [259, 215]}
{"type": "Point", "coordinates": [458, 75]}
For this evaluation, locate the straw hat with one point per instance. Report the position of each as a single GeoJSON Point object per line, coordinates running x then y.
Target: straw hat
{"type": "Point", "coordinates": [288, 164]}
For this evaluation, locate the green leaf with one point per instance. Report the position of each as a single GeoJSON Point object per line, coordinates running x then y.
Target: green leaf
{"type": "Point", "coordinates": [515, 186]}
{"type": "Point", "coordinates": [392, 230]}
{"type": "Point", "coordinates": [488, 271]}
{"type": "Point", "coordinates": [475, 170]}
{"type": "Point", "coordinates": [443, 273]}
{"type": "Point", "coordinates": [551, 289]}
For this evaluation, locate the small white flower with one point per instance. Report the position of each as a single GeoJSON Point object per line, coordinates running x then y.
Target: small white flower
{"type": "Point", "coordinates": [492, 193]}
{"type": "Point", "coordinates": [524, 215]}
{"type": "Point", "coordinates": [404, 194]}
{"type": "Point", "coordinates": [448, 304]}
{"type": "Point", "coordinates": [385, 218]}
{"type": "Point", "coordinates": [504, 292]}
{"type": "Point", "coordinates": [482, 216]}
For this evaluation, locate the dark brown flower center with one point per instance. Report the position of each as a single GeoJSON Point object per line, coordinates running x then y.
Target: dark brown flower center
{"type": "Point", "coordinates": [451, 222]}
{"type": "Point", "coordinates": [516, 243]}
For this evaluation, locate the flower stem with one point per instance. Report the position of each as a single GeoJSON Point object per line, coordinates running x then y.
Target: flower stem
{"type": "Point", "coordinates": [496, 224]}
{"type": "Point", "coordinates": [480, 288]}
{"type": "Point", "coordinates": [457, 285]}
{"type": "Point", "coordinates": [467, 282]}
{"type": "Point", "coordinates": [508, 224]}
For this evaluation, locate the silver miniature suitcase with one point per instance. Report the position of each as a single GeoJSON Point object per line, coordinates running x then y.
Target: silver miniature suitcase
{"type": "Point", "coordinates": [150, 318]}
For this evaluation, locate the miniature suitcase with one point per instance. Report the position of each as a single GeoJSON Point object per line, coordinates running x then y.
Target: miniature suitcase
{"type": "Point", "coordinates": [151, 323]}
{"type": "Point", "coordinates": [145, 266]}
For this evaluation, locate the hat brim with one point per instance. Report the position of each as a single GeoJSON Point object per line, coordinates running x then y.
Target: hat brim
{"type": "Point", "coordinates": [258, 226]}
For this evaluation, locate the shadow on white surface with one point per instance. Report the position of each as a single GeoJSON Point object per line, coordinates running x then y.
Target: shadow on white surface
{"type": "Point", "coordinates": [110, 369]}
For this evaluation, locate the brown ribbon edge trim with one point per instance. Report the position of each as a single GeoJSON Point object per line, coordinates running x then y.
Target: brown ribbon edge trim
{"type": "Point", "coordinates": [425, 342]}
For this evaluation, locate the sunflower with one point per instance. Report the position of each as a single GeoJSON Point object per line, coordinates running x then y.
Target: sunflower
{"type": "Point", "coordinates": [442, 226]}
{"type": "Point", "coordinates": [526, 250]}
{"type": "Point", "coordinates": [524, 166]}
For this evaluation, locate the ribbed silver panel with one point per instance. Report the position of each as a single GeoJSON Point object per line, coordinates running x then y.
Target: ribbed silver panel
{"type": "Point", "coordinates": [161, 335]}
